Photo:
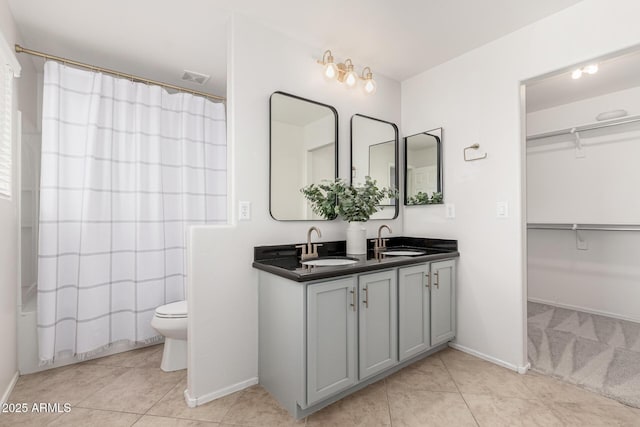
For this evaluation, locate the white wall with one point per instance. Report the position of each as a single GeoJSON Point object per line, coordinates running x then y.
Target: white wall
{"type": "Point", "coordinates": [597, 189]}
{"type": "Point", "coordinates": [476, 99]}
{"type": "Point", "coordinates": [223, 327]}
{"type": "Point", "coordinates": [605, 279]}
{"type": "Point", "coordinates": [8, 248]}
{"type": "Point", "coordinates": [583, 112]}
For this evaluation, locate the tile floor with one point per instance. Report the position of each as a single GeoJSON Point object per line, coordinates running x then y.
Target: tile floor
{"type": "Point", "coordinates": [449, 388]}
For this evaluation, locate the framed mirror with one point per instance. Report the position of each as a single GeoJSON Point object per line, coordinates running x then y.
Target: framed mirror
{"type": "Point", "coordinates": [303, 150]}
{"type": "Point", "coordinates": [374, 153]}
{"type": "Point", "coordinates": [423, 168]}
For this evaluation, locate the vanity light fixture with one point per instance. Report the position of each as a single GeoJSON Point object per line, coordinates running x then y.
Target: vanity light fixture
{"type": "Point", "coordinates": [350, 77]}
{"type": "Point", "coordinates": [370, 85]}
{"type": "Point", "coordinates": [345, 73]}
{"type": "Point", "coordinates": [589, 69]}
{"type": "Point", "coordinates": [330, 68]}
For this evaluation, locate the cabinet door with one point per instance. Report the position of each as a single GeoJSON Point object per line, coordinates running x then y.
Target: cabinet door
{"type": "Point", "coordinates": [331, 338]}
{"type": "Point", "coordinates": [413, 293]}
{"type": "Point", "coordinates": [378, 345]}
{"type": "Point", "coordinates": [443, 301]}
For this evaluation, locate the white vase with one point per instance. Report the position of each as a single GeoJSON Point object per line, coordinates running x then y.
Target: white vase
{"type": "Point", "coordinates": [356, 238]}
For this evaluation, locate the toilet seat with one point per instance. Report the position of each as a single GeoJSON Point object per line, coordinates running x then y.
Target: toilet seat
{"type": "Point", "coordinates": [174, 310]}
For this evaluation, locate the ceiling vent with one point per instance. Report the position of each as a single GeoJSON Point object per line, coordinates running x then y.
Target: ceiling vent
{"type": "Point", "coordinates": [192, 76]}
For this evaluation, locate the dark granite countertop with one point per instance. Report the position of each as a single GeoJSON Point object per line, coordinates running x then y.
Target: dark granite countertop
{"type": "Point", "coordinates": [284, 260]}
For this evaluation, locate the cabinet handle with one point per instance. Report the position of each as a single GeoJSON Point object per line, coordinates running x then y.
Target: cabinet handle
{"type": "Point", "coordinates": [366, 297]}
{"type": "Point", "coordinates": [436, 284]}
{"type": "Point", "coordinates": [353, 299]}
{"type": "Point", "coordinates": [428, 285]}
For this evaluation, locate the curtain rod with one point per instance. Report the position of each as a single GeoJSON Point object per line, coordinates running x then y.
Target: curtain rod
{"type": "Point", "coordinates": [20, 49]}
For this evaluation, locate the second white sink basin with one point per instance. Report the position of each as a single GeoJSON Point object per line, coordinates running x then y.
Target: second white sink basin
{"type": "Point", "coordinates": [403, 252]}
{"type": "Point", "coordinates": [329, 262]}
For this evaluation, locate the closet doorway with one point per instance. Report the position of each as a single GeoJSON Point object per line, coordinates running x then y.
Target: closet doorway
{"type": "Point", "coordinates": [583, 225]}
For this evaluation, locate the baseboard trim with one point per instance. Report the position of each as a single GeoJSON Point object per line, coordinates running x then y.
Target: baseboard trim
{"type": "Point", "coordinates": [585, 310]}
{"type": "Point", "coordinates": [12, 384]}
{"type": "Point", "coordinates": [519, 369]}
{"type": "Point", "coordinates": [524, 369]}
{"type": "Point", "coordinates": [192, 402]}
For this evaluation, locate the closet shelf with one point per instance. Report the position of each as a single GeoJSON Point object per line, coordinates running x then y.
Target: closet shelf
{"type": "Point", "coordinates": [578, 227]}
{"type": "Point", "coordinates": [591, 126]}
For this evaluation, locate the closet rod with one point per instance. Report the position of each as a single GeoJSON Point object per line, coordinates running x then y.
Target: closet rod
{"type": "Point", "coordinates": [20, 49]}
{"type": "Point", "coordinates": [589, 227]}
{"type": "Point", "coordinates": [615, 122]}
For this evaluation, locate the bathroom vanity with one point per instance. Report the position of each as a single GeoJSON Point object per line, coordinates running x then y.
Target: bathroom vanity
{"type": "Point", "coordinates": [327, 331]}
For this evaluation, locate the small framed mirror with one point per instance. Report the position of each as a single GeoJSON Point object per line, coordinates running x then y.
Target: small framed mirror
{"type": "Point", "coordinates": [423, 168]}
{"type": "Point", "coordinates": [374, 153]}
{"type": "Point", "coordinates": [303, 150]}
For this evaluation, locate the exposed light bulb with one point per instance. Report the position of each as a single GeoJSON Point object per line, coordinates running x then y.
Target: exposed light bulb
{"type": "Point", "coordinates": [330, 71]}
{"type": "Point", "coordinates": [350, 79]}
{"type": "Point", "coordinates": [591, 69]}
{"type": "Point", "coordinates": [576, 74]}
{"type": "Point", "coordinates": [370, 87]}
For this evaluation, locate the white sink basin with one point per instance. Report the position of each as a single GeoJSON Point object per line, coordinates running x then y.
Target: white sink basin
{"type": "Point", "coordinates": [329, 262]}
{"type": "Point", "coordinates": [403, 252]}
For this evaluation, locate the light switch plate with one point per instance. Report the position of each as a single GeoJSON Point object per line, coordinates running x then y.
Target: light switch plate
{"type": "Point", "coordinates": [244, 211]}
{"type": "Point", "coordinates": [502, 209]}
{"type": "Point", "coordinates": [451, 210]}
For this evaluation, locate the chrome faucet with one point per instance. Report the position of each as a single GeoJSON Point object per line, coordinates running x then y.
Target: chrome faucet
{"type": "Point", "coordinates": [381, 243]}
{"type": "Point", "coordinates": [310, 251]}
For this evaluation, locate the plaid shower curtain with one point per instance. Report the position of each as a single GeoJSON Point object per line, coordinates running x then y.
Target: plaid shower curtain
{"type": "Point", "coordinates": [126, 167]}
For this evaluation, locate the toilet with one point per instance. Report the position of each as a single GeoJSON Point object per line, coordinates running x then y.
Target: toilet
{"type": "Point", "coordinates": [170, 320]}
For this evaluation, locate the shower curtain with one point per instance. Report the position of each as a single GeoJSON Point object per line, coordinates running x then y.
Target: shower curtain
{"type": "Point", "coordinates": [126, 167]}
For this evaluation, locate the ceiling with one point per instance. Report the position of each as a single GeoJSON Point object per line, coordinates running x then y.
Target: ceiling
{"type": "Point", "coordinates": [160, 38]}
{"type": "Point", "coordinates": [614, 74]}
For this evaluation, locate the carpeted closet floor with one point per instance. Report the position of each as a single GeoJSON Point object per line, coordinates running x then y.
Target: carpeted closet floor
{"type": "Point", "coordinates": [598, 353]}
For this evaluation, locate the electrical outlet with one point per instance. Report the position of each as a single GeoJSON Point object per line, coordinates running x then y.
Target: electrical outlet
{"type": "Point", "coordinates": [244, 211]}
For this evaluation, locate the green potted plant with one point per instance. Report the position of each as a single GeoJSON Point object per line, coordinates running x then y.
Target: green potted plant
{"type": "Point", "coordinates": [353, 203]}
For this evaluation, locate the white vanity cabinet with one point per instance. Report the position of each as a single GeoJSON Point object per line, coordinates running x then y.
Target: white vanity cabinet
{"type": "Point", "coordinates": [322, 340]}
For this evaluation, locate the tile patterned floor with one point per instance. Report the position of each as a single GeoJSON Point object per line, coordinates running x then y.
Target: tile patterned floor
{"type": "Point", "coordinates": [449, 388]}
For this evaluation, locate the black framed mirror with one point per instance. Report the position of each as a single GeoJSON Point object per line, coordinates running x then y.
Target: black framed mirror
{"type": "Point", "coordinates": [374, 153]}
{"type": "Point", "coordinates": [303, 149]}
{"type": "Point", "coordinates": [423, 168]}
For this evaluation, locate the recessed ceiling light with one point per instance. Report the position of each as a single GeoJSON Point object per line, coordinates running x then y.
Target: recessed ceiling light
{"type": "Point", "coordinates": [576, 74]}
